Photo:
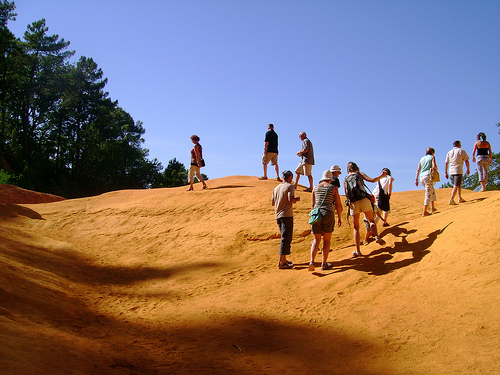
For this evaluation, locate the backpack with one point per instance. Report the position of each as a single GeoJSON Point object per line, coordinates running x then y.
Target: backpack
{"type": "Point", "coordinates": [354, 192]}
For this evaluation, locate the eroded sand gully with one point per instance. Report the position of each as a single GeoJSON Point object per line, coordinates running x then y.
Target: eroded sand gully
{"type": "Point", "coordinates": [164, 281]}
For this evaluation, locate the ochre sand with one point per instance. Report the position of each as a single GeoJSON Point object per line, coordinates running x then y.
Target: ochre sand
{"type": "Point", "coordinates": [166, 281]}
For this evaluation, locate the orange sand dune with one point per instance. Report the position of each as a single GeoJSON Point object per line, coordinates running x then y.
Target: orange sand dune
{"type": "Point", "coordinates": [169, 282]}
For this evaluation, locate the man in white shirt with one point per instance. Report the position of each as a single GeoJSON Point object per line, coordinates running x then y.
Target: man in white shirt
{"type": "Point", "coordinates": [455, 159]}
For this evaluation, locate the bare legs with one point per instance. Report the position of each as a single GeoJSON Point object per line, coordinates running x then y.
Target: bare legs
{"type": "Point", "coordinates": [192, 171]}
{"type": "Point", "coordinates": [357, 236]}
{"type": "Point", "coordinates": [276, 168]}
{"type": "Point", "coordinates": [297, 177]}
{"type": "Point", "coordinates": [315, 247]}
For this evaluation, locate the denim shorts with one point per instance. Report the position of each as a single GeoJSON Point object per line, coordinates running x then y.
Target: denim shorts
{"type": "Point", "coordinates": [456, 179]}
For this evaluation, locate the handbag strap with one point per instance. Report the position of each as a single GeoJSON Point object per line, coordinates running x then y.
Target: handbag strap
{"type": "Point", "coordinates": [327, 190]}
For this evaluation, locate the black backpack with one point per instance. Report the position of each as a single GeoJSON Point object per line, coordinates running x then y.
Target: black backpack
{"type": "Point", "coordinates": [354, 192]}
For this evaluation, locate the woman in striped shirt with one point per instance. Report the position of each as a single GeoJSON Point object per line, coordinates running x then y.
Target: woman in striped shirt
{"type": "Point", "coordinates": [324, 196]}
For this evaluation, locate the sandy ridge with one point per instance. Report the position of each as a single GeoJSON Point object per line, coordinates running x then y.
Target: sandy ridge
{"type": "Point", "coordinates": [165, 281]}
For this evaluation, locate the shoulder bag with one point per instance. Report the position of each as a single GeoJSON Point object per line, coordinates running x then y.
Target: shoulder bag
{"type": "Point", "coordinates": [383, 199]}
{"type": "Point", "coordinates": [315, 213]}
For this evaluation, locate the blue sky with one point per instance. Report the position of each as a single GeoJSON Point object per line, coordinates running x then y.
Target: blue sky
{"type": "Point", "coordinates": [375, 82]}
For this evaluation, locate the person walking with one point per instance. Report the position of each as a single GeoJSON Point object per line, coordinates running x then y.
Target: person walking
{"type": "Point", "coordinates": [306, 155]}
{"type": "Point", "coordinates": [359, 202]}
{"type": "Point", "coordinates": [270, 152]}
{"type": "Point", "coordinates": [425, 165]}
{"type": "Point", "coordinates": [324, 196]}
{"type": "Point", "coordinates": [455, 159]}
{"type": "Point", "coordinates": [382, 194]}
{"type": "Point", "coordinates": [196, 163]}
{"type": "Point", "coordinates": [484, 158]}
{"type": "Point", "coordinates": [282, 199]}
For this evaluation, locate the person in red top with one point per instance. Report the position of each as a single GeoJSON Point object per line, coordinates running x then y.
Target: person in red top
{"type": "Point", "coordinates": [196, 163]}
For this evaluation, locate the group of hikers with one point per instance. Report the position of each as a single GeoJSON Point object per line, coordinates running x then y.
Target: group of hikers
{"type": "Point", "coordinates": [325, 200]}
{"type": "Point", "coordinates": [326, 197]}
{"type": "Point", "coordinates": [427, 171]}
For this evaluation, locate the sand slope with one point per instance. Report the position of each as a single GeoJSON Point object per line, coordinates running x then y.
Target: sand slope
{"type": "Point", "coordinates": [169, 282]}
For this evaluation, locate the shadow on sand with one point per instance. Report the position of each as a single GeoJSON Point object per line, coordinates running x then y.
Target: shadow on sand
{"type": "Point", "coordinates": [47, 288]}
{"type": "Point", "coordinates": [13, 210]}
{"type": "Point", "coordinates": [378, 261]}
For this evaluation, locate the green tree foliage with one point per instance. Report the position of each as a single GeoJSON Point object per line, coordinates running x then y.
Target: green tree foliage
{"type": "Point", "coordinates": [175, 174]}
{"type": "Point", "coordinates": [59, 130]}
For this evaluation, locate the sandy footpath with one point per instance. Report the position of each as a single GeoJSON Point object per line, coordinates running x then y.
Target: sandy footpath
{"type": "Point", "coordinates": [166, 281]}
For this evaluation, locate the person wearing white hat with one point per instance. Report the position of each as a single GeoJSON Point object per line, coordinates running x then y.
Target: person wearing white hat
{"type": "Point", "coordinates": [336, 172]}
{"type": "Point", "coordinates": [324, 196]}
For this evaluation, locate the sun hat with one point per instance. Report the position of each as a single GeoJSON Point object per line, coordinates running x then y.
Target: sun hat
{"type": "Point", "coordinates": [335, 168]}
{"type": "Point", "coordinates": [327, 176]}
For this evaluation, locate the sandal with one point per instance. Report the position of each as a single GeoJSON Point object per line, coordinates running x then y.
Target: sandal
{"type": "Point", "coordinates": [311, 266]}
{"type": "Point", "coordinates": [356, 254]}
{"type": "Point", "coordinates": [327, 266]}
{"type": "Point", "coordinates": [285, 266]}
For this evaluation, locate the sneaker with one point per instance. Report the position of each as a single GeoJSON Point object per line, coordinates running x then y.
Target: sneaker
{"type": "Point", "coordinates": [356, 254]}
{"type": "Point", "coordinates": [379, 240]}
{"type": "Point", "coordinates": [285, 266]}
{"type": "Point", "coordinates": [386, 225]}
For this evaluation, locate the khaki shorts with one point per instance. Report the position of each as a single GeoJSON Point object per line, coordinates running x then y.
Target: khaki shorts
{"type": "Point", "coordinates": [270, 157]}
{"type": "Point", "coordinates": [363, 205]}
{"type": "Point", "coordinates": [305, 169]}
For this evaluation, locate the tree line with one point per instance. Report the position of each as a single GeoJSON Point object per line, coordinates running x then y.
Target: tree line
{"type": "Point", "coordinates": [59, 131]}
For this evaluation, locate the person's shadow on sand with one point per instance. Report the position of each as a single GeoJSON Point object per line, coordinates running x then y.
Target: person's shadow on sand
{"type": "Point", "coordinates": [377, 262]}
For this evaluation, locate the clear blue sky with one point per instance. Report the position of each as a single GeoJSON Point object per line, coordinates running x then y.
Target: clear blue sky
{"type": "Point", "coordinates": [375, 82]}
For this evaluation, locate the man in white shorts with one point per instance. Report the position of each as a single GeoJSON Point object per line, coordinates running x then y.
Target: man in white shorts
{"type": "Point", "coordinates": [270, 152]}
{"type": "Point", "coordinates": [306, 155]}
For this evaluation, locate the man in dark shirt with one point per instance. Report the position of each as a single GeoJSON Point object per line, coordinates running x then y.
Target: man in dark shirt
{"type": "Point", "coordinates": [270, 152]}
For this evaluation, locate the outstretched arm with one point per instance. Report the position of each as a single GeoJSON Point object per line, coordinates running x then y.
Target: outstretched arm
{"type": "Point", "coordinates": [369, 179]}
